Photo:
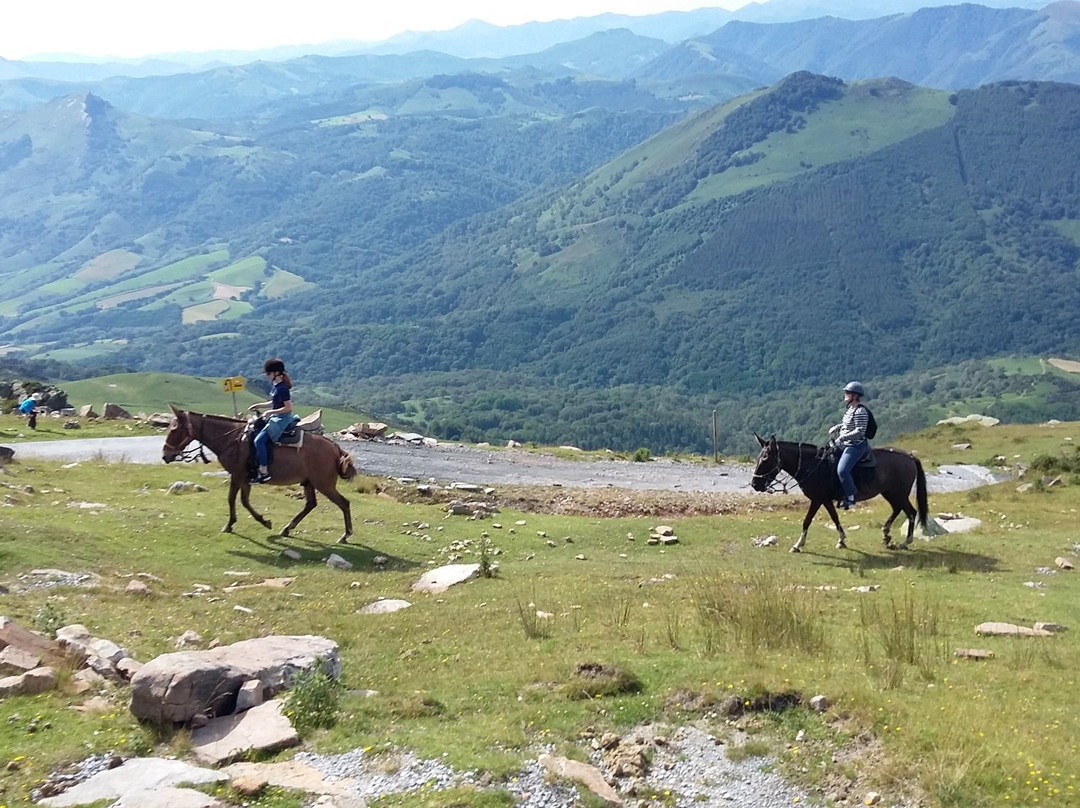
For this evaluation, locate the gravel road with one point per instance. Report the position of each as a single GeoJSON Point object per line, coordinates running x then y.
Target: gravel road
{"type": "Point", "coordinates": [447, 463]}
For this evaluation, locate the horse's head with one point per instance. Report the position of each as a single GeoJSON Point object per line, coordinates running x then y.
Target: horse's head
{"type": "Point", "coordinates": [768, 464]}
{"type": "Point", "coordinates": [178, 437]}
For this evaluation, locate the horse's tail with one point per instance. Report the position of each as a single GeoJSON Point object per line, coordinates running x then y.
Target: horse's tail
{"type": "Point", "coordinates": [923, 513]}
{"type": "Point", "coordinates": [346, 467]}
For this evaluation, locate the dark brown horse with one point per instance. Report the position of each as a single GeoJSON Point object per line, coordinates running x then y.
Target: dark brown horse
{"type": "Point", "coordinates": [316, 466]}
{"type": "Point", "coordinates": [893, 476]}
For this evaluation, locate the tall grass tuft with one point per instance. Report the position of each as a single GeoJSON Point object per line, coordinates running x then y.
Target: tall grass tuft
{"type": "Point", "coordinates": [760, 611]}
{"type": "Point", "coordinates": [908, 635]}
{"type": "Point", "coordinates": [534, 626]}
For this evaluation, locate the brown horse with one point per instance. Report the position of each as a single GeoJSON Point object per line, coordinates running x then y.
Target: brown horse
{"type": "Point", "coordinates": [316, 465]}
{"type": "Point", "coordinates": [893, 476]}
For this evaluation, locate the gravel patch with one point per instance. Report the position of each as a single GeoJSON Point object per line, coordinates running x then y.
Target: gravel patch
{"type": "Point", "coordinates": [689, 770]}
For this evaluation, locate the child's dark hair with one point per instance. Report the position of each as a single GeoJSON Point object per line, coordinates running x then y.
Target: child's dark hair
{"type": "Point", "coordinates": [277, 366]}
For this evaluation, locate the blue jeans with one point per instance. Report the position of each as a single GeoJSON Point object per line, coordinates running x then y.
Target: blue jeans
{"type": "Point", "coordinates": [844, 466]}
{"type": "Point", "coordinates": [275, 425]}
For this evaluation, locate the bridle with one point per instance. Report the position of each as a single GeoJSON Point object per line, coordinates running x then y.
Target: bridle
{"type": "Point", "coordinates": [771, 483]}
{"type": "Point", "coordinates": [190, 453]}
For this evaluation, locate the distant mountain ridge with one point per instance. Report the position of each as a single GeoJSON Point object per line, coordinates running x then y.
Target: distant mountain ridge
{"type": "Point", "coordinates": [477, 39]}
{"type": "Point", "coordinates": [949, 47]}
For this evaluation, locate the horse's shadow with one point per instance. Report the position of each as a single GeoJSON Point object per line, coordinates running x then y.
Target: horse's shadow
{"type": "Point", "coordinates": [916, 558]}
{"type": "Point", "coordinates": [313, 552]}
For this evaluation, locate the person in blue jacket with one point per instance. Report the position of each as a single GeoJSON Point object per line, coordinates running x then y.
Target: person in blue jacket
{"type": "Point", "coordinates": [279, 412]}
{"type": "Point", "coordinates": [29, 409]}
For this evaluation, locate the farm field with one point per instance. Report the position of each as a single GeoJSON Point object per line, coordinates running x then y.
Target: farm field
{"type": "Point", "coordinates": [473, 677]}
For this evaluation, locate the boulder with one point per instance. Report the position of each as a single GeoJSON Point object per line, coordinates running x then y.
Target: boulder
{"type": "Point", "coordinates": [87, 411]}
{"type": "Point", "coordinates": [115, 412]}
{"type": "Point", "coordinates": [13, 634]}
{"type": "Point", "coordinates": [263, 728]}
{"type": "Point", "coordinates": [179, 686]}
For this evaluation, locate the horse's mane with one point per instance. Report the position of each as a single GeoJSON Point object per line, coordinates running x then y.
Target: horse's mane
{"type": "Point", "coordinates": [215, 417]}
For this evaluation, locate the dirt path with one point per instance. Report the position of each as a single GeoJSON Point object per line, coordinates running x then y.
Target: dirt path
{"type": "Point", "coordinates": [448, 463]}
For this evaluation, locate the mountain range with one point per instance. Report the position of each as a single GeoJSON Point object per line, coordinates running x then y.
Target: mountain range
{"type": "Point", "coordinates": [592, 244]}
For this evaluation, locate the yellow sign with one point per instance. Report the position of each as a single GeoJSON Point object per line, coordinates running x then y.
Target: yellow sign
{"type": "Point", "coordinates": [233, 384]}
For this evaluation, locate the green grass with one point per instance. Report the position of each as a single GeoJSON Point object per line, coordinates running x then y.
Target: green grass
{"type": "Point", "coordinates": [460, 674]}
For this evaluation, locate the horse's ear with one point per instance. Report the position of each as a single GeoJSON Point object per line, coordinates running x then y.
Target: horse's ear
{"type": "Point", "coordinates": [173, 408]}
{"type": "Point", "coordinates": [772, 439]}
{"type": "Point", "coordinates": [760, 440]}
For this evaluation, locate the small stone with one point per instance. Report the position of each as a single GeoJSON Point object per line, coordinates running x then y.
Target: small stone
{"type": "Point", "coordinates": [819, 704]}
{"type": "Point", "coordinates": [138, 588]}
{"type": "Point", "coordinates": [338, 562]}
{"type": "Point", "coordinates": [974, 653]}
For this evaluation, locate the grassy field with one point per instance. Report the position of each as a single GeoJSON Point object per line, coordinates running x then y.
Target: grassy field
{"type": "Point", "coordinates": [475, 675]}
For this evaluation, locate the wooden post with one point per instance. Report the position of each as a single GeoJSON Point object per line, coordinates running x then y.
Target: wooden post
{"type": "Point", "coordinates": [715, 451]}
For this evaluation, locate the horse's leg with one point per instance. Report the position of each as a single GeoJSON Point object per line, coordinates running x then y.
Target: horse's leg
{"type": "Point", "coordinates": [309, 506]}
{"type": "Point", "coordinates": [342, 502]}
{"type": "Point", "coordinates": [886, 536]}
{"type": "Point", "coordinates": [841, 542]}
{"type": "Point", "coordinates": [911, 514]}
{"type": "Point", "coordinates": [810, 512]}
{"type": "Point", "coordinates": [245, 489]}
{"type": "Point", "coordinates": [234, 486]}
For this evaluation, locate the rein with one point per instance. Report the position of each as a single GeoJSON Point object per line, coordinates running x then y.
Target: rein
{"type": "Point", "coordinates": [193, 453]}
{"type": "Point", "coordinates": [798, 475]}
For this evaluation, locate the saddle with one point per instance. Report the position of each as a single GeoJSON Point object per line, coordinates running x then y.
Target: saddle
{"type": "Point", "coordinates": [292, 437]}
{"type": "Point", "coordinates": [862, 474]}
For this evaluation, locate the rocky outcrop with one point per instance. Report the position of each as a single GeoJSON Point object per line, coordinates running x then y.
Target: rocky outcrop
{"type": "Point", "coordinates": [181, 686]}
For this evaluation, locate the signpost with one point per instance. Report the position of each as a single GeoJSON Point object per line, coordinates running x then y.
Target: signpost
{"type": "Point", "coordinates": [231, 385]}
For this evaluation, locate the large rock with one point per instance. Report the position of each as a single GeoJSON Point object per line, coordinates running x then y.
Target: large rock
{"type": "Point", "coordinates": [115, 412]}
{"type": "Point", "coordinates": [132, 777]}
{"type": "Point", "coordinates": [232, 737]}
{"type": "Point", "coordinates": [14, 635]}
{"type": "Point", "coordinates": [179, 686]}
{"type": "Point", "coordinates": [438, 580]}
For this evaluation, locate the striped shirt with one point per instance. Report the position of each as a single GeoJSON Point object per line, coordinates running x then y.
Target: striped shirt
{"type": "Point", "coordinates": [853, 427]}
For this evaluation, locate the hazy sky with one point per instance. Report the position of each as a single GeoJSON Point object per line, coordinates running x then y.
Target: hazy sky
{"type": "Point", "coordinates": [132, 28]}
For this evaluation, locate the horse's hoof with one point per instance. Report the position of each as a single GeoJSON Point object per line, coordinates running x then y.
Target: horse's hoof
{"type": "Point", "coordinates": [344, 539]}
{"type": "Point", "coordinates": [227, 529]}
{"type": "Point", "coordinates": [285, 531]}
{"type": "Point", "coordinates": [841, 546]}
{"type": "Point", "coordinates": [795, 549]}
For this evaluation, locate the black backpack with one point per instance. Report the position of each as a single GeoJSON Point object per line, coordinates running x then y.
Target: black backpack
{"type": "Point", "coordinates": [871, 424]}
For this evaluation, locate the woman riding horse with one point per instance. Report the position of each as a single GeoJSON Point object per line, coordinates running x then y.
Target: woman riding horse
{"type": "Point", "coordinates": [894, 475]}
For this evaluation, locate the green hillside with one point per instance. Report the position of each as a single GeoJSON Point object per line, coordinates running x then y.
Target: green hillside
{"type": "Point", "coordinates": [748, 260]}
{"type": "Point", "coordinates": [633, 301]}
{"type": "Point", "coordinates": [154, 392]}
